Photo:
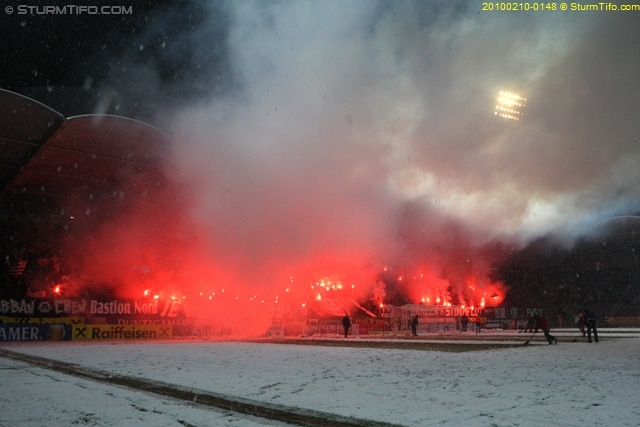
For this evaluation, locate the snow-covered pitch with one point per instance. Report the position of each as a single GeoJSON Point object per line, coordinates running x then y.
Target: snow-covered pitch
{"type": "Point", "coordinates": [570, 384]}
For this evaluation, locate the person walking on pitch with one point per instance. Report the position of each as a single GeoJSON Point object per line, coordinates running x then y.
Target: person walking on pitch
{"type": "Point", "coordinates": [592, 325]}
{"type": "Point", "coordinates": [543, 324]}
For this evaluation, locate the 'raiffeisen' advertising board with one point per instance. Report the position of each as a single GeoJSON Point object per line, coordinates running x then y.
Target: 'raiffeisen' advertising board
{"type": "Point", "coordinates": [121, 332]}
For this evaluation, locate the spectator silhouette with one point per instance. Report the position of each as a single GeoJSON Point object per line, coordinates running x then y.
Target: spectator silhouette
{"type": "Point", "coordinates": [346, 324]}
{"type": "Point", "coordinates": [531, 324]}
{"type": "Point", "coordinates": [414, 326]}
{"type": "Point", "coordinates": [592, 325]}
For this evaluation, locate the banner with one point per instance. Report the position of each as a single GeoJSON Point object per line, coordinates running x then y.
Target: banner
{"type": "Point", "coordinates": [113, 311]}
{"type": "Point", "coordinates": [440, 311]}
{"type": "Point", "coordinates": [24, 332]}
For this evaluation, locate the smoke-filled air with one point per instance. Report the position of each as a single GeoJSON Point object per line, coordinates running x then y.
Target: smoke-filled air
{"type": "Point", "coordinates": [360, 153]}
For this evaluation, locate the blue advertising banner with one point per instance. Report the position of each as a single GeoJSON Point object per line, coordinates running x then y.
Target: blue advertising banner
{"type": "Point", "coordinates": [24, 332]}
{"type": "Point", "coordinates": [34, 332]}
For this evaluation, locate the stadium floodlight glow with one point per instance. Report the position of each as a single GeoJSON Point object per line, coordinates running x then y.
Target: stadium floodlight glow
{"type": "Point", "coordinates": [510, 105]}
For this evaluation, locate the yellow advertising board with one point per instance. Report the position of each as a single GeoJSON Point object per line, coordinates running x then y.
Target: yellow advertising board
{"type": "Point", "coordinates": [8, 320]}
{"type": "Point", "coordinates": [623, 321]}
{"type": "Point", "coordinates": [121, 332]}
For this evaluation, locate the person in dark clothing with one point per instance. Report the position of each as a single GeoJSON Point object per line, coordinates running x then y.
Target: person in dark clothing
{"type": "Point", "coordinates": [591, 322]}
{"type": "Point", "coordinates": [346, 324]}
{"type": "Point", "coordinates": [414, 326]}
{"type": "Point", "coordinates": [464, 321]}
{"type": "Point", "coordinates": [543, 324]}
{"type": "Point", "coordinates": [534, 323]}
{"type": "Point", "coordinates": [531, 324]}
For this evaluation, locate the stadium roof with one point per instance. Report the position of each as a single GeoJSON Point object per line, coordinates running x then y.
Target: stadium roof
{"type": "Point", "coordinates": [54, 168]}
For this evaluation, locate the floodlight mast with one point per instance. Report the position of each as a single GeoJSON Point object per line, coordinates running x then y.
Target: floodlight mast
{"type": "Point", "coordinates": [510, 105]}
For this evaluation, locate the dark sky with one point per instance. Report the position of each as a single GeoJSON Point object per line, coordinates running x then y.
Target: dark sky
{"type": "Point", "coordinates": [129, 63]}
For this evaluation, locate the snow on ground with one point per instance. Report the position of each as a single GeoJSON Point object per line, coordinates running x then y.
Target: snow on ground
{"type": "Point", "coordinates": [570, 384]}
{"type": "Point", "coordinates": [35, 397]}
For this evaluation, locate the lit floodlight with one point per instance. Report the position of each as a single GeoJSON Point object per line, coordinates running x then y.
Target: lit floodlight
{"type": "Point", "coordinates": [510, 105]}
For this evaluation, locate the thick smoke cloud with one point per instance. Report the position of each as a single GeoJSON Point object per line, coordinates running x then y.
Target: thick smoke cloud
{"type": "Point", "coordinates": [358, 135]}
{"type": "Point", "coordinates": [348, 113]}
{"type": "Point", "coordinates": [400, 95]}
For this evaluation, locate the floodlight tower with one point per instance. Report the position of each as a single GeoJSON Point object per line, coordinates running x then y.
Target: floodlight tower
{"type": "Point", "coordinates": [510, 105]}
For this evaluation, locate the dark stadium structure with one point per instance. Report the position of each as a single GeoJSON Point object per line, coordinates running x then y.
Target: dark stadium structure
{"type": "Point", "coordinates": [63, 175]}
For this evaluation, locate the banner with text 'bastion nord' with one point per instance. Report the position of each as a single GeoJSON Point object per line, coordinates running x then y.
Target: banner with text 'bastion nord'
{"type": "Point", "coordinates": [115, 311]}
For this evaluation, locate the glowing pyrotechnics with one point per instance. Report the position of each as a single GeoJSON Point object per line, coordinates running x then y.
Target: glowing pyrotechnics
{"type": "Point", "coordinates": [510, 105]}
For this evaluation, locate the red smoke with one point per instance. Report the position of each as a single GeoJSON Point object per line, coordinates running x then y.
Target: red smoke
{"type": "Point", "coordinates": [153, 246]}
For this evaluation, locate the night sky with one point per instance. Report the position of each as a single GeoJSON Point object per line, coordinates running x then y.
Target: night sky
{"type": "Point", "coordinates": [137, 60]}
{"type": "Point", "coordinates": [330, 137]}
